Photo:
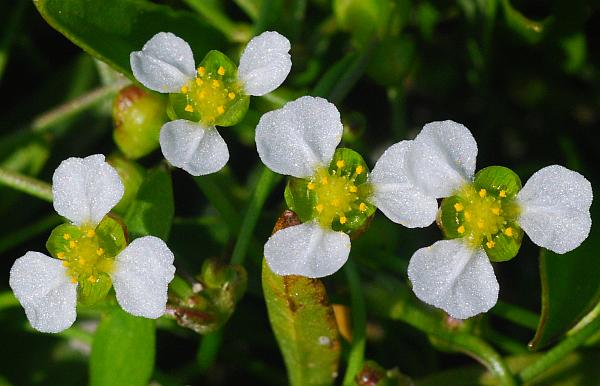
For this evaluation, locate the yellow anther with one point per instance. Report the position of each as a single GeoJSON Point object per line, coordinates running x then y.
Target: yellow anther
{"type": "Point", "coordinates": [482, 193]}
{"type": "Point", "coordinates": [467, 215]}
{"type": "Point", "coordinates": [231, 95]}
{"type": "Point", "coordinates": [461, 229]}
{"type": "Point", "coordinates": [458, 207]}
{"type": "Point", "coordinates": [91, 279]}
{"type": "Point", "coordinates": [319, 208]}
{"type": "Point", "coordinates": [184, 89]}
{"type": "Point", "coordinates": [359, 169]}
{"type": "Point", "coordinates": [221, 70]}
{"type": "Point", "coordinates": [490, 244]}
{"type": "Point", "coordinates": [199, 82]}
{"type": "Point", "coordinates": [335, 202]}
{"type": "Point", "coordinates": [220, 109]}
{"type": "Point", "coordinates": [201, 70]}
{"type": "Point", "coordinates": [201, 94]}
{"type": "Point", "coordinates": [502, 193]}
{"type": "Point", "coordinates": [362, 207]}
{"type": "Point", "coordinates": [496, 211]}
{"type": "Point", "coordinates": [100, 251]}
{"type": "Point", "coordinates": [216, 83]}
{"type": "Point", "coordinates": [353, 189]}
{"type": "Point", "coordinates": [480, 224]}
{"type": "Point", "coordinates": [60, 255]}
{"type": "Point", "coordinates": [72, 244]}
{"type": "Point", "coordinates": [90, 233]}
{"type": "Point", "coordinates": [343, 219]}
{"type": "Point", "coordinates": [324, 180]}
{"type": "Point", "coordinates": [66, 236]}
{"type": "Point", "coordinates": [508, 231]}
{"type": "Point", "coordinates": [310, 186]}
{"type": "Point", "coordinates": [73, 280]}
{"type": "Point", "coordinates": [340, 163]}
{"type": "Point", "coordinates": [189, 108]}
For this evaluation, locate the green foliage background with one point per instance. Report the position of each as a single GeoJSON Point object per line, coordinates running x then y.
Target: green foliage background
{"type": "Point", "coordinates": [521, 75]}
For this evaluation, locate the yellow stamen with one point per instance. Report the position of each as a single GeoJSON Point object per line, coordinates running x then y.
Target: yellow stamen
{"type": "Point", "coordinates": [201, 70]}
{"type": "Point", "coordinates": [199, 82]}
{"type": "Point", "coordinates": [508, 231]}
{"type": "Point", "coordinates": [65, 264]}
{"type": "Point", "coordinates": [502, 193]}
{"type": "Point", "coordinates": [335, 202]}
{"type": "Point", "coordinates": [91, 279]}
{"type": "Point", "coordinates": [216, 83]}
{"type": "Point", "coordinates": [490, 244]}
{"type": "Point", "coordinates": [221, 70]}
{"type": "Point", "coordinates": [343, 220]}
{"type": "Point", "coordinates": [90, 233]}
{"type": "Point", "coordinates": [184, 89]}
{"type": "Point", "coordinates": [458, 207]}
{"type": "Point", "coordinates": [467, 215]}
{"type": "Point", "coordinates": [66, 236]}
{"type": "Point", "coordinates": [324, 180]}
{"type": "Point", "coordinates": [340, 163]}
{"type": "Point", "coordinates": [461, 229]}
{"type": "Point", "coordinates": [362, 207]}
{"type": "Point", "coordinates": [60, 255]}
{"type": "Point", "coordinates": [189, 108]}
{"type": "Point", "coordinates": [220, 109]}
{"type": "Point", "coordinates": [353, 189]}
{"type": "Point", "coordinates": [73, 280]}
{"type": "Point", "coordinates": [359, 169]}
{"type": "Point", "coordinates": [482, 193]}
{"type": "Point", "coordinates": [231, 95]}
{"type": "Point", "coordinates": [310, 186]}
{"type": "Point", "coordinates": [100, 251]}
{"type": "Point", "coordinates": [319, 208]}
{"type": "Point", "coordinates": [72, 244]}
{"type": "Point", "coordinates": [496, 211]}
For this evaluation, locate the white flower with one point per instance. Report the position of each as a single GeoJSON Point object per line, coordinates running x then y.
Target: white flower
{"type": "Point", "coordinates": [166, 64]}
{"type": "Point", "coordinates": [299, 140]}
{"type": "Point", "coordinates": [85, 190]}
{"type": "Point", "coordinates": [455, 275]}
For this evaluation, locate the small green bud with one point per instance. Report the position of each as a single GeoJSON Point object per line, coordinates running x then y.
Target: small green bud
{"type": "Point", "coordinates": [138, 116]}
{"type": "Point", "coordinates": [132, 176]}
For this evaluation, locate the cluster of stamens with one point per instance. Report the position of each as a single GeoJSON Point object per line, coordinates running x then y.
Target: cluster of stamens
{"type": "Point", "coordinates": [336, 193]}
{"type": "Point", "coordinates": [84, 257]}
{"type": "Point", "coordinates": [481, 216]}
{"type": "Point", "coordinates": [209, 95]}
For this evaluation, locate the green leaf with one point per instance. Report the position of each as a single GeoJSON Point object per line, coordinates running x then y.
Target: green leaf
{"type": "Point", "coordinates": [110, 31]}
{"type": "Point", "coordinates": [570, 287]}
{"type": "Point", "coordinates": [123, 350]}
{"type": "Point", "coordinates": [151, 213]}
{"type": "Point", "coordinates": [303, 323]}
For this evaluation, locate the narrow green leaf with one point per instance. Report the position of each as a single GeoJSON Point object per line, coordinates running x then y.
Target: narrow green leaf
{"type": "Point", "coordinates": [303, 322]}
{"type": "Point", "coordinates": [123, 350]}
{"type": "Point", "coordinates": [151, 213]}
{"type": "Point", "coordinates": [111, 30]}
{"type": "Point", "coordinates": [570, 287]}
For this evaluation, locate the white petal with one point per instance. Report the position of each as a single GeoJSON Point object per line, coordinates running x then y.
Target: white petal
{"type": "Point", "coordinates": [395, 194]}
{"type": "Point", "coordinates": [45, 291]}
{"type": "Point", "coordinates": [299, 137]}
{"type": "Point", "coordinates": [164, 64]}
{"type": "Point", "coordinates": [555, 208]}
{"type": "Point", "coordinates": [265, 63]}
{"type": "Point", "coordinates": [142, 275]}
{"type": "Point", "coordinates": [455, 278]}
{"type": "Point", "coordinates": [442, 158]}
{"type": "Point", "coordinates": [197, 150]}
{"type": "Point", "coordinates": [308, 250]}
{"type": "Point", "coordinates": [85, 189]}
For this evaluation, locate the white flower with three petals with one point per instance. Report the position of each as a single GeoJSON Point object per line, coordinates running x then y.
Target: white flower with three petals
{"type": "Point", "coordinates": [85, 190]}
{"type": "Point", "coordinates": [166, 64]}
{"type": "Point", "coordinates": [300, 139]}
{"type": "Point", "coordinates": [452, 274]}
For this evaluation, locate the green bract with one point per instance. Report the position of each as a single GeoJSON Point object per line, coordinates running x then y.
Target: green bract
{"type": "Point", "coordinates": [215, 97]}
{"type": "Point", "coordinates": [336, 196]}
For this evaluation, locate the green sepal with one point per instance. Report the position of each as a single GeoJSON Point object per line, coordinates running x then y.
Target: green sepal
{"type": "Point", "coordinates": [497, 178]}
{"type": "Point", "coordinates": [112, 235]}
{"type": "Point", "coordinates": [57, 243]}
{"type": "Point", "coordinates": [351, 159]}
{"type": "Point", "coordinates": [299, 199]}
{"type": "Point", "coordinates": [89, 294]}
{"type": "Point", "coordinates": [448, 219]}
{"type": "Point", "coordinates": [235, 112]}
{"type": "Point", "coordinates": [505, 247]}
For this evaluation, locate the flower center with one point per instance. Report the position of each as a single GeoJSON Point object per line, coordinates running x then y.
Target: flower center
{"type": "Point", "coordinates": [84, 256]}
{"type": "Point", "coordinates": [481, 216]}
{"type": "Point", "coordinates": [336, 193]}
{"type": "Point", "coordinates": [210, 95]}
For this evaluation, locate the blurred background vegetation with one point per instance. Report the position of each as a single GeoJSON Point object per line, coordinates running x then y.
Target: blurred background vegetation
{"type": "Point", "coordinates": [521, 75]}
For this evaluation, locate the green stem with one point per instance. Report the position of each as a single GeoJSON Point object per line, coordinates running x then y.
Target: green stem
{"type": "Point", "coordinates": [222, 204]}
{"type": "Point", "coordinates": [216, 18]}
{"type": "Point", "coordinates": [359, 324]}
{"type": "Point", "coordinates": [208, 350]}
{"type": "Point", "coordinates": [559, 351]}
{"type": "Point", "coordinates": [26, 184]}
{"type": "Point", "coordinates": [262, 190]}
{"type": "Point", "coordinates": [516, 314]}
{"type": "Point", "coordinates": [23, 234]}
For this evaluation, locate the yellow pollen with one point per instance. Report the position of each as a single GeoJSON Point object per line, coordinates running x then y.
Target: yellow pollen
{"type": "Point", "coordinates": [502, 193]}
{"type": "Point", "coordinates": [201, 70]}
{"type": "Point", "coordinates": [359, 169]}
{"type": "Point", "coordinates": [220, 109]}
{"type": "Point", "coordinates": [231, 95]}
{"type": "Point", "coordinates": [324, 180]}
{"type": "Point", "coordinates": [184, 89]}
{"type": "Point", "coordinates": [343, 220]}
{"type": "Point", "coordinates": [319, 208]}
{"type": "Point", "coordinates": [66, 236]}
{"type": "Point", "coordinates": [480, 224]}
{"type": "Point", "coordinates": [221, 70]}
{"type": "Point", "coordinates": [91, 279]}
{"type": "Point", "coordinates": [353, 189]}
{"type": "Point", "coordinates": [467, 215]}
{"type": "Point", "coordinates": [362, 207]}
{"type": "Point", "coordinates": [199, 81]}
{"type": "Point", "coordinates": [73, 280]}
{"type": "Point", "coordinates": [90, 233]}
{"type": "Point", "coordinates": [215, 83]}
{"type": "Point", "coordinates": [310, 186]}
{"type": "Point", "coordinates": [458, 207]}
{"type": "Point", "coordinates": [508, 231]}
{"type": "Point", "coordinates": [461, 229]}
{"type": "Point", "coordinates": [72, 244]}
{"type": "Point", "coordinates": [189, 108]}
{"type": "Point", "coordinates": [482, 193]}
{"type": "Point", "coordinates": [340, 163]}
{"type": "Point", "coordinates": [60, 255]}
{"type": "Point", "coordinates": [490, 244]}
{"type": "Point", "coordinates": [496, 211]}
{"type": "Point", "coordinates": [100, 251]}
